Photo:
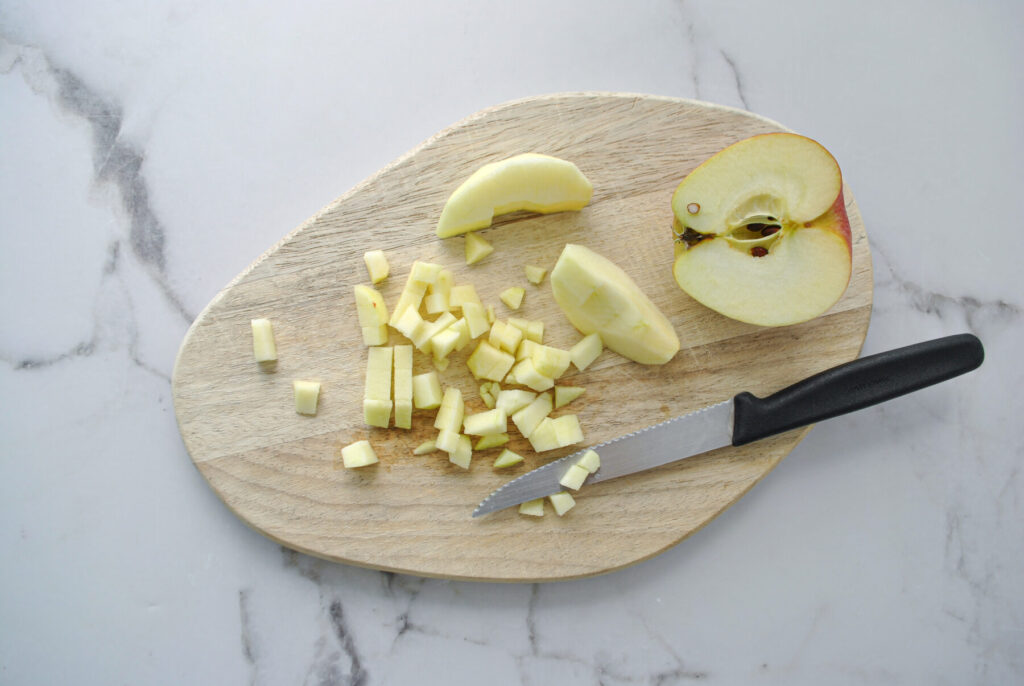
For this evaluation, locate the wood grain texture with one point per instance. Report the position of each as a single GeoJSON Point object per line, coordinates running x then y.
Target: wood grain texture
{"type": "Point", "coordinates": [280, 472]}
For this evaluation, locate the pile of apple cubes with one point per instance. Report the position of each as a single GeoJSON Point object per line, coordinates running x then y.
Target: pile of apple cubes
{"type": "Point", "coordinates": [509, 352]}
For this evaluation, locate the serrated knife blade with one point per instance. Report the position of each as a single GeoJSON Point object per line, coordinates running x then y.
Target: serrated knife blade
{"type": "Point", "coordinates": [746, 418]}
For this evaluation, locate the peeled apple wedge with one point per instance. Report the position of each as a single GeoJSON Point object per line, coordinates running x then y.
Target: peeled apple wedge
{"type": "Point", "coordinates": [598, 297]}
{"type": "Point", "coordinates": [761, 231]}
{"type": "Point", "coordinates": [534, 182]}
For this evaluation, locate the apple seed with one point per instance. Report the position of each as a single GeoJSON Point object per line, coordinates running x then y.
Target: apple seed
{"type": "Point", "coordinates": [759, 251]}
{"type": "Point", "coordinates": [769, 230]}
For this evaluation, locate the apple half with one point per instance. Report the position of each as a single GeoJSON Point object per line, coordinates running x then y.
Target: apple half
{"type": "Point", "coordinates": [761, 231]}
{"type": "Point", "coordinates": [530, 181]}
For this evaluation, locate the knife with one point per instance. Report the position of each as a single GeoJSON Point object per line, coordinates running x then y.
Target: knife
{"type": "Point", "coordinates": [746, 418]}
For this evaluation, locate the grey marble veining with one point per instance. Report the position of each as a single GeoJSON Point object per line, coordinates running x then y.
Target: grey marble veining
{"type": "Point", "coordinates": [147, 155]}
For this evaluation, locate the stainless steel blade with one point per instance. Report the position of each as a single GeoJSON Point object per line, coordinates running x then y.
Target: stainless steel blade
{"type": "Point", "coordinates": [671, 440]}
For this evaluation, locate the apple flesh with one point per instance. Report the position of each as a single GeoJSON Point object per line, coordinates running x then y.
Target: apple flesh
{"type": "Point", "coordinates": [762, 234]}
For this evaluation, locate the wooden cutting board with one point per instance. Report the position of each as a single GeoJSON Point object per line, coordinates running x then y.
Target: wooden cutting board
{"type": "Point", "coordinates": [280, 472]}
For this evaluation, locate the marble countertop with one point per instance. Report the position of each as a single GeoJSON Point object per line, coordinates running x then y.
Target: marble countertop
{"type": "Point", "coordinates": [150, 151]}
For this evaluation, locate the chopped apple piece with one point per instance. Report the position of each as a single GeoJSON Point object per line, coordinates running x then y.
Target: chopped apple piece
{"type": "Point", "coordinates": [441, 363]}
{"type": "Point", "coordinates": [532, 508]}
{"type": "Point", "coordinates": [566, 394]}
{"type": "Point", "coordinates": [436, 303]}
{"type": "Point", "coordinates": [544, 437]}
{"type": "Point", "coordinates": [487, 395]}
{"type": "Point", "coordinates": [487, 362]}
{"type": "Point", "coordinates": [462, 455]}
{"type": "Point", "coordinates": [443, 284]}
{"type": "Point", "coordinates": [306, 395]}
{"type": "Point", "coordinates": [527, 419]}
{"type": "Point", "coordinates": [412, 295]}
{"type": "Point", "coordinates": [411, 324]}
{"type": "Point", "coordinates": [507, 458]}
{"type": "Point", "coordinates": [441, 344]}
{"type": "Point", "coordinates": [598, 297]}
{"type": "Point", "coordinates": [549, 361]}
{"type": "Point", "coordinates": [358, 454]}
{"type": "Point", "coordinates": [426, 391]}
{"type": "Point", "coordinates": [491, 316]}
{"type": "Point", "coordinates": [461, 328]}
{"type": "Point", "coordinates": [263, 347]}
{"type": "Point", "coordinates": [422, 336]}
{"type": "Point", "coordinates": [376, 265]}
{"type": "Point", "coordinates": [477, 248]}
{"type": "Point", "coordinates": [476, 319]}
{"type": "Point", "coordinates": [535, 331]}
{"type": "Point", "coordinates": [491, 441]}
{"type": "Point", "coordinates": [574, 477]}
{"type": "Point", "coordinates": [425, 447]}
{"type": "Point", "coordinates": [504, 336]}
{"type": "Point", "coordinates": [425, 272]}
{"type": "Point", "coordinates": [484, 423]}
{"type": "Point", "coordinates": [460, 295]}
{"type": "Point", "coordinates": [535, 274]}
{"type": "Point", "coordinates": [447, 440]}
{"type": "Point", "coordinates": [377, 395]}
{"type": "Point", "coordinates": [514, 399]}
{"type": "Point", "coordinates": [527, 375]}
{"type": "Point", "coordinates": [590, 461]}
{"type": "Point", "coordinates": [512, 297]}
{"type": "Point", "coordinates": [529, 181]}
{"type": "Point", "coordinates": [562, 502]}
{"type": "Point", "coordinates": [403, 386]}
{"type": "Point", "coordinates": [525, 349]}
{"type": "Point", "coordinates": [567, 430]}
{"type": "Point", "coordinates": [586, 351]}
{"type": "Point", "coordinates": [373, 315]}
{"type": "Point", "coordinates": [449, 415]}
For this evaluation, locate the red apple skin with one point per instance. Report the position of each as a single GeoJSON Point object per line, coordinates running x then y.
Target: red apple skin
{"type": "Point", "coordinates": [835, 219]}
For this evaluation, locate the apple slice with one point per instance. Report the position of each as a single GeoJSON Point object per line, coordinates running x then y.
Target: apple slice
{"type": "Point", "coordinates": [761, 231]}
{"type": "Point", "coordinates": [538, 183]}
{"type": "Point", "coordinates": [598, 297]}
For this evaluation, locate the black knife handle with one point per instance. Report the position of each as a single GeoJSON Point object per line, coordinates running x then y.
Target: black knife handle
{"type": "Point", "coordinates": [854, 386]}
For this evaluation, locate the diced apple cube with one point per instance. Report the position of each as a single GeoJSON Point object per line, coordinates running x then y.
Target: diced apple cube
{"type": "Point", "coordinates": [447, 440]}
{"type": "Point", "coordinates": [486, 396]}
{"type": "Point", "coordinates": [527, 419]}
{"type": "Point", "coordinates": [411, 297]}
{"type": "Point", "coordinates": [476, 319]}
{"type": "Point", "coordinates": [436, 303]}
{"type": "Point", "coordinates": [444, 342]}
{"type": "Point", "coordinates": [263, 346]}
{"type": "Point", "coordinates": [463, 454]}
{"type": "Point", "coordinates": [425, 272]}
{"type": "Point", "coordinates": [562, 502]}
{"type": "Point", "coordinates": [519, 323]}
{"type": "Point", "coordinates": [586, 351]}
{"type": "Point", "coordinates": [544, 437]}
{"type": "Point", "coordinates": [373, 315]}
{"type": "Point", "coordinates": [306, 395]}
{"type": "Point", "coordinates": [489, 313]}
{"type": "Point", "coordinates": [411, 324]}
{"type": "Point", "coordinates": [443, 284]}
{"type": "Point", "coordinates": [491, 441]}
{"type": "Point", "coordinates": [574, 477]}
{"type": "Point", "coordinates": [403, 386]}
{"type": "Point", "coordinates": [441, 363]}
{"type": "Point", "coordinates": [549, 361]}
{"type": "Point", "coordinates": [566, 394]}
{"type": "Point", "coordinates": [525, 349]}
{"type": "Point", "coordinates": [507, 458]}
{"type": "Point", "coordinates": [512, 297]}
{"type": "Point", "coordinates": [425, 447]}
{"type": "Point", "coordinates": [463, 294]}
{"type": "Point", "coordinates": [378, 373]}
{"type": "Point", "coordinates": [514, 399]}
{"type": "Point", "coordinates": [532, 508]}
{"type": "Point", "coordinates": [567, 430]}
{"type": "Point", "coordinates": [590, 461]}
{"type": "Point", "coordinates": [535, 274]}
{"type": "Point", "coordinates": [358, 454]}
{"type": "Point", "coordinates": [477, 248]}
{"type": "Point", "coordinates": [461, 328]}
{"type": "Point", "coordinates": [487, 362]}
{"type": "Point", "coordinates": [426, 391]}
{"type": "Point", "coordinates": [449, 415]}
{"type": "Point", "coordinates": [504, 336]}
{"type": "Point", "coordinates": [376, 265]}
{"type": "Point", "coordinates": [483, 423]}
{"type": "Point", "coordinates": [377, 412]}
{"type": "Point", "coordinates": [527, 375]}
{"type": "Point", "coordinates": [535, 331]}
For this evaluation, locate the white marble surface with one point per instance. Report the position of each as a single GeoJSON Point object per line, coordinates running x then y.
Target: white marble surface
{"type": "Point", "coordinates": [149, 151]}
